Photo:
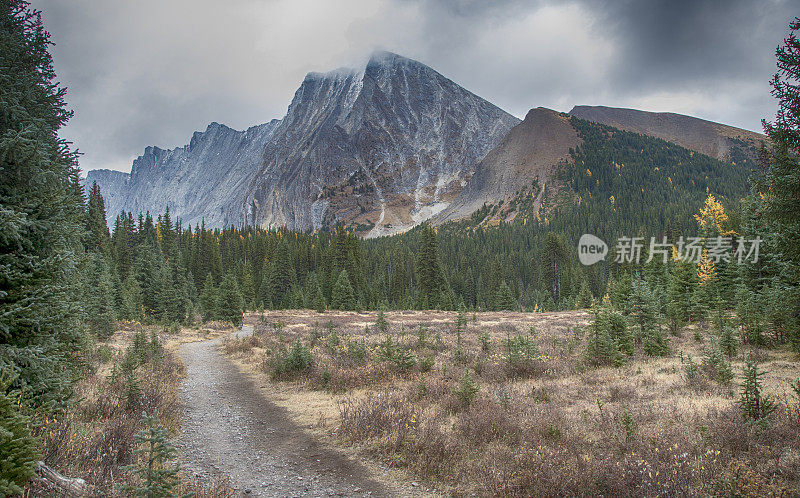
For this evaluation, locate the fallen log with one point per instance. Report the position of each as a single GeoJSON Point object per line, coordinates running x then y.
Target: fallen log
{"type": "Point", "coordinates": [72, 486]}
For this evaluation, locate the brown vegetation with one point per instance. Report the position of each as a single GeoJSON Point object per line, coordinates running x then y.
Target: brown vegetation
{"type": "Point", "coordinates": [509, 405]}
{"type": "Point", "coordinates": [130, 375]}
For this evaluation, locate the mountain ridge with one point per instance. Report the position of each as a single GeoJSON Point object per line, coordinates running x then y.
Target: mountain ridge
{"type": "Point", "coordinates": [700, 135]}
{"type": "Point", "coordinates": [382, 148]}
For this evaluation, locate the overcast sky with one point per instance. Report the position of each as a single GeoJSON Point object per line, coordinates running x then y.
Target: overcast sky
{"type": "Point", "coordinates": [151, 72]}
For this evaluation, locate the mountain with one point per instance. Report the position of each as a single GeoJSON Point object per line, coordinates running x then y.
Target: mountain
{"type": "Point", "coordinates": [706, 137]}
{"type": "Point", "coordinates": [381, 148]}
{"type": "Point", "coordinates": [196, 181]}
{"type": "Point", "coordinates": [112, 185]}
{"type": "Point", "coordinates": [555, 163]}
{"type": "Point", "coordinates": [528, 154]}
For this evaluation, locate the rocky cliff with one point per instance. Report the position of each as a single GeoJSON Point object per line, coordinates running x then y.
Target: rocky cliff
{"type": "Point", "coordinates": [381, 148]}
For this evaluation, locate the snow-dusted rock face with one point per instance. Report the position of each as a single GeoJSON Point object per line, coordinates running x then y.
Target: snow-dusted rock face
{"type": "Point", "coordinates": [382, 148]}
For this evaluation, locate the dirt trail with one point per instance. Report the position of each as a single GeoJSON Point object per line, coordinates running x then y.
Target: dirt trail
{"type": "Point", "coordinates": [231, 430]}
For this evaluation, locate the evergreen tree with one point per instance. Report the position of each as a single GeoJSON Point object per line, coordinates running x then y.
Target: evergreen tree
{"type": "Point", "coordinates": [248, 287]}
{"type": "Point", "coordinates": [131, 299]}
{"type": "Point", "coordinates": [281, 276]}
{"type": "Point", "coordinates": [430, 276]}
{"type": "Point", "coordinates": [342, 297]}
{"type": "Point", "coordinates": [505, 300]}
{"type": "Point", "coordinates": [158, 477]}
{"type": "Point", "coordinates": [97, 236]}
{"type": "Point", "coordinates": [780, 185]}
{"type": "Point", "coordinates": [319, 300]}
{"type": "Point", "coordinates": [555, 258]}
{"type": "Point", "coordinates": [584, 299]}
{"type": "Point", "coordinates": [680, 294]}
{"type": "Point", "coordinates": [208, 299]}
{"type": "Point", "coordinates": [230, 304]}
{"type": "Point", "coordinates": [100, 313]}
{"type": "Point", "coordinates": [41, 213]}
{"type": "Point", "coordinates": [18, 449]}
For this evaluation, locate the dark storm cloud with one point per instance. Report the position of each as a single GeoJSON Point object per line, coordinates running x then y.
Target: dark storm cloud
{"type": "Point", "coordinates": [154, 71]}
{"type": "Point", "coordinates": [681, 42]}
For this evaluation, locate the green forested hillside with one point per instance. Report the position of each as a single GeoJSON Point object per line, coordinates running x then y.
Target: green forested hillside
{"type": "Point", "coordinates": [617, 183]}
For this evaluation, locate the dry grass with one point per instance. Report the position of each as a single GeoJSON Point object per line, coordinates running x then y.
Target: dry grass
{"type": "Point", "coordinates": [94, 438]}
{"type": "Point", "coordinates": [550, 425]}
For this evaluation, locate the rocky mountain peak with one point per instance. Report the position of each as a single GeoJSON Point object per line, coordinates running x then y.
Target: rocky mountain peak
{"type": "Point", "coordinates": [381, 148]}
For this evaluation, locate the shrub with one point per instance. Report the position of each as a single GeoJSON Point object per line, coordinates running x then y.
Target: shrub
{"type": "Point", "coordinates": [405, 359]}
{"type": "Point", "coordinates": [654, 343]}
{"type": "Point", "coordinates": [422, 336]}
{"type": "Point", "coordinates": [467, 389]}
{"type": "Point", "coordinates": [728, 342]}
{"type": "Point", "coordinates": [357, 352]}
{"type": "Point", "coordinates": [297, 360]}
{"type": "Point", "coordinates": [609, 340]}
{"type": "Point", "coordinates": [387, 351]}
{"type": "Point", "coordinates": [486, 342]}
{"type": "Point", "coordinates": [158, 477]}
{"type": "Point", "coordinates": [426, 364]}
{"type": "Point", "coordinates": [753, 403]}
{"type": "Point", "coordinates": [520, 353]}
{"type": "Point", "coordinates": [716, 365]}
{"type": "Point", "coordinates": [381, 324]}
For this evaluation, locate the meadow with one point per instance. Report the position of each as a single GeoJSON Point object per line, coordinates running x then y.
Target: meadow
{"type": "Point", "coordinates": [510, 403]}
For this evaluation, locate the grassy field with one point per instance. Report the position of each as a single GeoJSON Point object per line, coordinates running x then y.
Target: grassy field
{"type": "Point", "coordinates": [506, 403]}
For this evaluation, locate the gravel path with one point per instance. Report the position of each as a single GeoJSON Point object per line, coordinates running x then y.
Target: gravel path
{"type": "Point", "coordinates": [231, 430]}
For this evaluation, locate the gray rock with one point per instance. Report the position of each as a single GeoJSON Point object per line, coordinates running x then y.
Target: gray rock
{"type": "Point", "coordinates": [382, 148]}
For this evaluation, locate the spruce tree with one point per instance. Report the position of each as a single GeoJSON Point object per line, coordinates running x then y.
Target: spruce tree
{"type": "Point", "coordinates": [41, 213]}
{"type": "Point", "coordinates": [248, 287]}
{"type": "Point", "coordinates": [100, 312]}
{"type": "Point", "coordinates": [780, 186]}
{"type": "Point", "coordinates": [505, 300]}
{"type": "Point", "coordinates": [281, 276]}
{"type": "Point", "coordinates": [430, 276]}
{"type": "Point", "coordinates": [97, 236]}
{"type": "Point", "coordinates": [342, 296]}
{"type": "Point", "coordinates": [158, 477]}
{"type": "Point", "coordinates": [680, 294]}
{"type": "Point", "coordinates": [131, 299]}
{"type": "Point", "coordinates": [319, 300]}
{"type": "Point", "coordinates": [584, 299]}
{"type": "Point", "coordinates": [208, 299]}
{"type": "Point", "coordinates": [18, 449]}
{"type": "Point", "coordinates": [230, 304]}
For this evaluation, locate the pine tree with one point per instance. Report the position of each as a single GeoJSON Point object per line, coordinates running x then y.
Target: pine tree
{"type": "Point", "coordinates": [41, 212]}
{"type": "Point", "coordinates": [342, 297]}
{"type": "Point", "coordinates": [131, 299]}
{"type": "Point", "coordinates": [158, 477]}
{"type": "Point", "coordinates": [430, 276]}
{"type": "Point", "coordinates": [230, 304]}
{"type": "Point", "coordinates": [18, 449]}
{"type": "Point", "coordinates": [780, 186]}
{"type": "Point", "coordinates": [505, 300]}
{"type": "Point", "coordinates": [208, 299]}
